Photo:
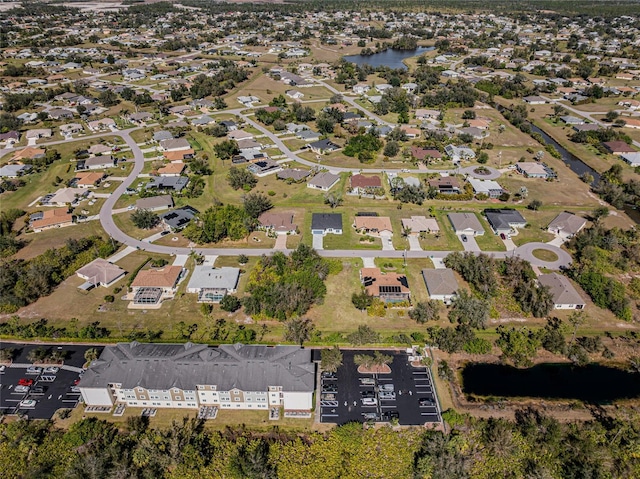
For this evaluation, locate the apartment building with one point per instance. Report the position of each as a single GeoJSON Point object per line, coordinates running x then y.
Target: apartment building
{"type": "Point", "coordinates": [191, 375]}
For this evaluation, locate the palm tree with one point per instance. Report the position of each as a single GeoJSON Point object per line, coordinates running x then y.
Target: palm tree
{"type": "Point", "coordinates": [91, 354]}
{"type": "Point", "coordinates": [331, 359]}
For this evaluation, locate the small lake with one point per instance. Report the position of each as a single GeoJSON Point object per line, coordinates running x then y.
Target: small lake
{"type": "Point", "coordinates": [592, 383]}
{"type": "Point", "coordinates": [389, 58]}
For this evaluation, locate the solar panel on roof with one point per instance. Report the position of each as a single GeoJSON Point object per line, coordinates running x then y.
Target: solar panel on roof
{"type": "Point", "coordinates": [390, 289]}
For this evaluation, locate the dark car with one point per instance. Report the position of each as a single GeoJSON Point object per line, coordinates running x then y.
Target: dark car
{"type": "Point", "coordinates": [389, 415]}
{"type": "Point", "coordinates": [464, 238]}
{"type": "Point", "coordinates": [426, 402]}
{"type": "Point", "coordinates": [329, 388]}
{"type": "Point", "coordinates": [502, 236]}
{"type": "Point", "coordinates": [328, 375]}
{"type": "Point", "coordinates": [38, 390]}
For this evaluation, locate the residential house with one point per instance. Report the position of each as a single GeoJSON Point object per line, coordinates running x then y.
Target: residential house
{"type": "Point", "coordinates": [28, 153]}
{"type": "Point", "coordinates": [140, 118]}
{"type": "Point", "coordinates": [421, 154]}
{"type": "Point", "coordinates": [294, 174]}
{"type": "Point", "coordinates": [457, 153]}
{"type": "Point", "coordinates": [36, 134]}
{"type": "Point", "coordinates": [361, 184]}
{"type": "Point", "coordinates": [441, 284]}
{"type": "Point", "coordinates": [411, 132]}
{"type": "Point", "coordinates": [9, 138]}
{"type": "Point", "coordinates": [99, 149]}
{"type": "Point", "coordinates": [277, 222]}
{"type": "Point", "coordinates": [14, 170]}
{"type": "Point", "coordinates": [565, 295]}
{"type": "Point", "coordinates": [151, 286]}
{"type": "Point", "coordinates": [48, 219]}
{"type": "Point", "coordinates": [213, 284]}
{"type": "Point", "coordinates": [534, 100]}
{"type": "Point", "coordinates": [101, 125]}
{"type": "Point", "coordinates": [323, 181]}
{"type": "Point", "coordinates": [466, 223]}
{"type": "Point", "coordinates": [155, 203]}
{"type": "Point", "coordinates": [422, 114]}
{"type": "Point", "coordinates": [175, 183]}
{"type": "Point", "coordinates": [178, 156]}
{"type": "Point", "coordinates": [96, 163]}
{"type": "Point", "coordinates": [618, 147]}
{"type": "Point", "coordinates": [175, 144]}
{"type": "Point", "coordinates": [373, 225]}
{"type": "Point", "coordinates": [308, 135]}
{"type": "Point", "coordinates": [239, 135]}
{"type": "Point", "coordinates": [177, 219]}
{"type": "Point", "coordinates": [65, 197]}
{"type": "Point", "coordinates": [532, 169]}
{"type": "Point", "coordinates": [632, 159]}
{"type": "Point", "coordinates": [420, 224]}
{"type": "Point", "coordinates": [172, 169]}
{"type": "Point", "coordinates": [86, 179]}
{"type": "Point", "coordinates": [161, 135]}
{"type": "Point", "coordinates": [71, 129]}
{"type": "Point", "coordinates": [326, 223]}
{"type": "Point", "coordinates": [100, 272]}
{"type": "Point", "coordinates": [490, 188]}
{"type": "Point", "coordinates": [566, 225]}
{"type": "Point", "coordinates": [323, 146]}
{"type": "Point", "coordinates": [295, 94]}
{"type": "Point", "coordinates": [193, 375]}
{"type": "Point", "coordinates": [264, 167]}
{"type": "Point", "coordinates": [505, 221]}
{"type": "Point", "coordinates": [387, 287]}
{"type": "Point", "coordinates": [60, 113]}
{"type": "Point", "coordinates": [446, 185]}
{"type": "Point", "coordinates": [571, 120]}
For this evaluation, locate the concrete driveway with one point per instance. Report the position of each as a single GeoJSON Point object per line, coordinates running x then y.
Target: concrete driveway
{"type": "Point", "coordinates": [510, 245]}
{"type": "Point", "coordinates": [414, 243]}
{"type": "Point", "coordinates": [318, 242]}
{"type": "Point", "coordinates": [387, 243]}
{"type": "Point", "coordinates": [281, 242]}
{"type": "Point", "coordinates": [470, 244]}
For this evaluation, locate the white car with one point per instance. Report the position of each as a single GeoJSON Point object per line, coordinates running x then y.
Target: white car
{"type": "Point", "coordinates": [386, 387]}
{"type": "Point", "coordinates": [388, 395]}
{"type": "Point", "coordinates": [369, 402]}
{"type": "Point", "coordinates": [21, 389]}
{"type": "Point", "coordinates": [51, 370]}
{"type": "Point", "coordinates": [34, 370]}
{"type": "Point", "coordinates": [28, 403]}
{"type": "Point", "coordinates": [2, 368]}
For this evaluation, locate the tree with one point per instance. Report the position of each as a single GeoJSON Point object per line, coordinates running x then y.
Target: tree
{"type": "Point", "coordinates": [599, 213]}
{"type": "Point", "coordinates": [611, 116]}
{"type": "Point", "coordinates": [230, 303]}
{"type": "Point", "coordinates": [331, 359]}
{"type": "Point", "coordinates": [255, 204]}
{"type": "Point", "coordinates": [577, 319]}
{"type": "Point", "coordinates": [241, 178]}
{"type": "Point", "coordinates": [445, 372]}
{"type": "Point", "coordinates": [467, 309]}
{"type": "Point", "coordinates": [363, 335]}
{"type": "Point", "coordinates": [425, 311]}
{"type": "Point", "coordinates": [145, 219]}
{"type": "Point", "coordinates": [298, 330]}
{"type": "Point", "coordinates": [534, 205]}
{"type": "Point", "coordinates": [469, 115]}
{"type": "Point", "coordinates": [361, 300]}
{"type": "Point", "coordinates": [482, 158]}
{"type": "Point", "coordinates": [91, 354]}
{"type": "Point", "coordinates": [519, 345]}
{"type": "Point", "coordinates": [391, 149]}
{"type": "Point", "coordinates": [226, 149]}
{"type": "Point", "coordinates": [370, 362]}
{"type": "Point", "coordinates": [333, 199]}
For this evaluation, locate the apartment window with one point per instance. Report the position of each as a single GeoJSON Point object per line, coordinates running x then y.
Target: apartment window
{"type": "Point", "coordinates": [236, 399]}
{"type": "Point", "coordinates": [178, 398]}
{"type": "Point", "coordinates": [143, 397]}
{"type": "Point", "coordinates": [248, 399]}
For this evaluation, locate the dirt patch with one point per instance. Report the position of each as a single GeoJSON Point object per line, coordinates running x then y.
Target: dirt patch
{"type": "Point", "coordinates": [383, 369]}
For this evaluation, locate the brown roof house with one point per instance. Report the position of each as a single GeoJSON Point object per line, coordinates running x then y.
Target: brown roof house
{"type": "Point", "coordinates": [420, 224]}
{"type": "Point", "coordinates": [151, 286]}
{"type": "Point", "coordinates": [373, 225]}
{"type": "Point", "coordinates": [100, 272]}
{"type": "Point", "coordinates": [447, 185]}
{"type": "Point", "coordinates": [388, 287]}
{"type": "Point", "coordinates": [278, 223]}
{"type": "Point", "coordinates": [56, 218]}
{"type": "Point", "coordinates": [618, 147]}
{"type": "Point", "coordinates": [361, 184]}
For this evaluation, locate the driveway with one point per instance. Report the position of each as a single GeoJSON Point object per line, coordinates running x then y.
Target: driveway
{"type": "Point", "coordinates": [387, 243]}
{"type": "Point", "coordinates": [414, 243]}
{"type": "Point", "coordinates": [281, 242]}
{"type": "Point", "coordinates": [509, 244]}
{"type": "Point", "coordinates": [318, 242]}
{"type": "Point", "coordinates": [180, 260]}
{"type": "Point", "coordinates": [470, 244]}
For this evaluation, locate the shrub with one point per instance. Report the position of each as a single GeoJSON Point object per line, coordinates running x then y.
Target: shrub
{"type": "Point", "coordinates": [109, 298]}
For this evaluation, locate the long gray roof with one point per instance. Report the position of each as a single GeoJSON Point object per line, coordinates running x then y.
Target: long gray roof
{"type": "Point", "coordinates": [184, 366]}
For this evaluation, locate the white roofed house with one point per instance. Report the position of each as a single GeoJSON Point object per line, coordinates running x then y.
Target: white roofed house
{"type": "Point", "coordinates": [100, 272]}
{"type": "Point", "coordinates": [191, 375]}
{"type": "Point", "coordinates": [490, 188]}
{"type": "Point", "coordinates": [212, 284]}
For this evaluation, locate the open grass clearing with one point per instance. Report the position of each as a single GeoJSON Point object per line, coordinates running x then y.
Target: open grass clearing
{"type": "Point", "coordinates": [545, 255]}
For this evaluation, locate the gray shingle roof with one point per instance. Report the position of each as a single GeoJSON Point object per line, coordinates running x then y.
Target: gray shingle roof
{"type": "Point", "coordinates": [184, 366]}
{"type": "Point", "coordinates": [440, 281]}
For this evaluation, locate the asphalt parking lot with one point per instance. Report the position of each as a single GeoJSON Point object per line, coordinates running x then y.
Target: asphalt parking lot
{"type": "Point", "coordinates": [395, 394]}
{"type": "Point", "coordinates": [57, 394]}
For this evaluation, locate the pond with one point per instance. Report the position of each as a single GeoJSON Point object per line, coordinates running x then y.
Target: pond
{"type": "Point", "coordinates": [389, 58]}
{"type": "Point", "coordinates": [592, 383]}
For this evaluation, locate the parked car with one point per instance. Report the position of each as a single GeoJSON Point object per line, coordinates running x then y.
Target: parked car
{"type": "Point", "coordinates": [389, 415]}
{"type": "Point", "coordinates": [329, 388]}
{"type": "Point", "coordinates": [368, 394]}
{"type": "Point", "coordinates": [2, 368]}
{"type": "Point", "coordinates": [367, 381]}
{"type": "Point", "coordinates": [34, 370]}
{"type": "Point", "coordinates": [386, 387]}
{"type": "Point", "coordinates": [38, 390]}
{"type": "Point", "coordinates": [369, 402]}
{"type": "Point", "coordinates": [28, 403]}
{"type": "Point", "coordinates": [464, 238]}
{"type": "Point", "coordinates": [328, 375]}
{"type": "Point", "coordinates": [502, 236]}
{"type": "Point", "coordinates": [426, 402]}
{"type": "Point", "coordinates": [21, 389]}
{"type": "Point", "coordinates": [369, 416]}
{"type": "Point", "coordinates": [51, 370]}
{"type": "Point", "coordinates": [387, 395]}
{"type": "Point", "coordinates": [25, 382]}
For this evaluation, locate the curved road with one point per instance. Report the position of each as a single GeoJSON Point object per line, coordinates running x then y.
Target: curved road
{"type": "Point", "coordinates": [106, 213]}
